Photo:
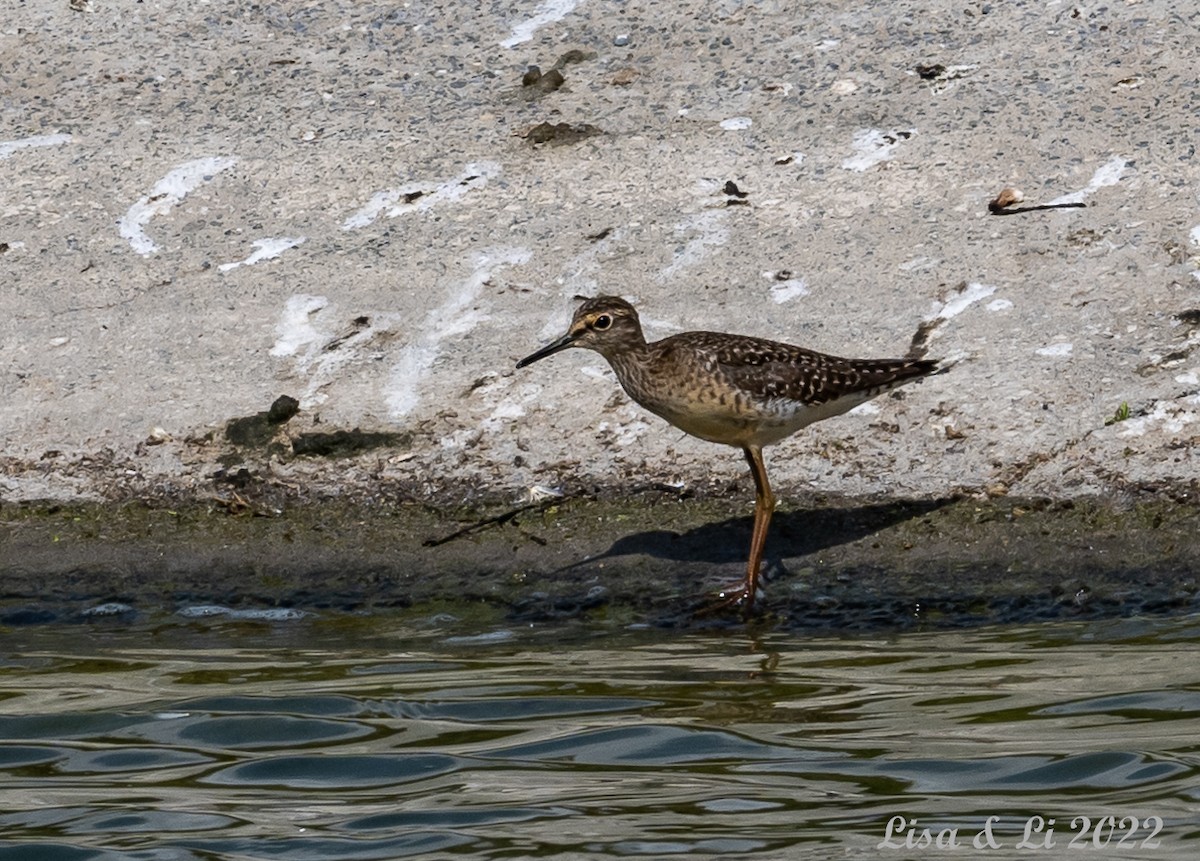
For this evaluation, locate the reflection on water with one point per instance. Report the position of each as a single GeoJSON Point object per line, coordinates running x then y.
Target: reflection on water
{"type": "Point", "coordinates": [333, 739]}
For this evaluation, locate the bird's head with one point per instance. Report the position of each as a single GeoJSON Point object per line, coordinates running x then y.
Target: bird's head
{"type": "Point", "coordinates": [606, 324]}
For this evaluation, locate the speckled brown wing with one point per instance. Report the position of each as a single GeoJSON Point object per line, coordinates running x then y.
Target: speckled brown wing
{"type": "Point", "coordinates": [769, 369]}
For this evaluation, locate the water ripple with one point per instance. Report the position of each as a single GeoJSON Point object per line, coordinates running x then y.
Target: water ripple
{"type": "Point", "coordinates": [655, 746]}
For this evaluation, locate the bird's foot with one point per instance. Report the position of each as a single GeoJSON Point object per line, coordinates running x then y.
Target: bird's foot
{"type": "Point", "coordinates": [739, 596]}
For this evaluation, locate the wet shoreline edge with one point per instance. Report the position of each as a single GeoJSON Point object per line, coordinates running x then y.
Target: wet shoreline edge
{"type": "Point", "coordinates": [645, 558]}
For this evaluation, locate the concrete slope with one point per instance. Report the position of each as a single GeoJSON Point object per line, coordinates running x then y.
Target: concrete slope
{"type": "Point", "coordinates": [362, 206]}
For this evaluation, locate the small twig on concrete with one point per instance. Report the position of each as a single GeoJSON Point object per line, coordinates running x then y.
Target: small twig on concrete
{"type": "Point", "coordinates": [996, 210]}
{"type": "Point", "coordinates": [495, 520]}
{"type": "Point", "coordinates": [1004, 203]}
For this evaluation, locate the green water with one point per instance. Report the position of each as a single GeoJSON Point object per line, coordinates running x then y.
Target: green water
{"type": "Point", "coordinates": [398, 737]}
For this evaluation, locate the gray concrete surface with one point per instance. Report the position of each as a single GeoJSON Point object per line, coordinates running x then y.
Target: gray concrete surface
{"type": "Point", "coordinates": [206, 206]}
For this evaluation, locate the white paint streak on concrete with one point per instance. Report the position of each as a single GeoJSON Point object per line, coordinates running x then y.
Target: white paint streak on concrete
{"type": "Point", "coordinates": [454, 317]}
{"type": "Point", "coordinates": [708, 231]}
{"type": "Point", "coordinates": [628, 427]}
{"type": "Point", "coordinates": [504, 411]}
{"type": "Point", "coordinates": [506, 407]}
{"type": "Point", "coordinates": [307, 332]}
{"type": "Point", "coordinates": [167, 192]}
{"type": "Point", "coordinates": [1107, 174]}
{"type": "Point", "coordinates": [7, 148]}
{"type": "Point", "coordinates": [295, 328]}
{"type": "Point", "coordinates": [1195, 235]}
{"type": "Point", "coordinates": [737, 124]}
{"type": "Point", "coordinates": [1058, 351]}
{"type": "Point", "coordinates": [547, 12]}
{"type": "Point", "coordinates": [874, 146]}
{"type": "Point", "coordinates": [1169, 416]}
{"type": "Point", "coordinates": [512, 407]}
{"type": "Point", "coordinates": [422, 196]}
{"type": "Point", "coordinates": [599, 372]}
{"type": "Point", "coordinates": [266, 249]}
{"type": "Point", "coordinates": [999, 305]}
{"type": "Point", "coordinates": [786, 291]}
{"type": "Point", "coordinates": [955, 305]}
{"type": "Point", "coordinates": [919, 264]}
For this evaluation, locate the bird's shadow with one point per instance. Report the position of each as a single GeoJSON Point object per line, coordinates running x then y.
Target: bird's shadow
{"type": "Point", "coordinates": [796, 533]}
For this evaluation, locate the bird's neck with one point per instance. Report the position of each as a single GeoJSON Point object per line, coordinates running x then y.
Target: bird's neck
{"type": "Point", "coordinates": [630, 359]}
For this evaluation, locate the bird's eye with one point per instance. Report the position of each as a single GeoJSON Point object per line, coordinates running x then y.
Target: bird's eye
{"type": "Point", "coordinates": [602, 322]}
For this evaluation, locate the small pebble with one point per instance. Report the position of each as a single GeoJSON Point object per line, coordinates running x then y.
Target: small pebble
{"type": "Point", "coordinates": [625, 77]}
{"type": "Point", "coordinates": [621, 40]}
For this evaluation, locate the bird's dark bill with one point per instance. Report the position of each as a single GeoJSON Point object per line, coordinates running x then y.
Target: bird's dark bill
{"type": "Point", "coordinates": [548, 350]}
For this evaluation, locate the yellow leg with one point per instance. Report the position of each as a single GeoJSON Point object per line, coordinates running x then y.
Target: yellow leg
{"type": "Point", "coordinates": [764, 507]}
